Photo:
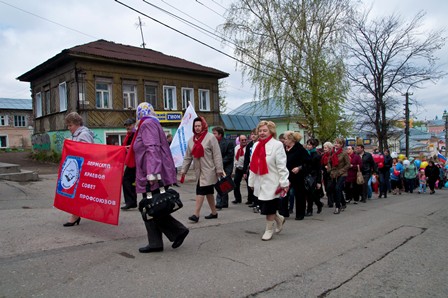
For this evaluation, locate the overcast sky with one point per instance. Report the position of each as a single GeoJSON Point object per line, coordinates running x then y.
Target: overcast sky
{"type": "Point", "coordinates": [32, 31]}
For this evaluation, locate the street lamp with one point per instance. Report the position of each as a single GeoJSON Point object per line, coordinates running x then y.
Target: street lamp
{"type": "Point", "coordinates": [445, 117]}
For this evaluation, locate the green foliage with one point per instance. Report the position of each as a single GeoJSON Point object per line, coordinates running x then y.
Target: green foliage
{"type": "Point", "coordinates": [46, 156]}
{"type": "Point", "coordinates": [291, 52]}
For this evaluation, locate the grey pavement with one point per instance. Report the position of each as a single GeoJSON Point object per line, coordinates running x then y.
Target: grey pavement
{"type": "Point", "coordinates": [394, 247]}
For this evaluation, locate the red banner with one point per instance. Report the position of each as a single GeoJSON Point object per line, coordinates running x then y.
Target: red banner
{"type": "Point", "coordinates": [89, 181]}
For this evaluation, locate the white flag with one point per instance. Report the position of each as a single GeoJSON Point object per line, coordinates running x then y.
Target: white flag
{"type": "Point", "coordinates": [183, 134]}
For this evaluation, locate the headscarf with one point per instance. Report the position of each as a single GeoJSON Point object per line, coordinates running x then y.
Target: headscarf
{"type": "Point", "coordinates": [198, 149]}
{"type": "Point", "coordinates": [258, 163]}
{"type": "Point", "coordinates": [144, 110]}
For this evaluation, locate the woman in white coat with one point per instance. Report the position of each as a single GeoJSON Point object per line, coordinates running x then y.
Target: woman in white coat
{"type": "Point", "coordinates": [269, 176]}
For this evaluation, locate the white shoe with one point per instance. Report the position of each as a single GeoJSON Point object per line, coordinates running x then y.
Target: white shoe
{"type": "Point", "coordinates": [269, 232]}
{"type": "Point", "coordinates": [279, 221]}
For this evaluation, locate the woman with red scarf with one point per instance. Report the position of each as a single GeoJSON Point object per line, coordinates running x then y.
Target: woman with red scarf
{"type": "Point", "coordinates": [203, 148]}
{"type": "Point", "coordinates": [269, 176]}
{"type": "Point", "coordinates": [339, 163]}
{"type": "Point", "coordinates": [353, 189]}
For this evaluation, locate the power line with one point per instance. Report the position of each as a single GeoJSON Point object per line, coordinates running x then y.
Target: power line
{"type": "Point", "coordinates": [48, 20]}
{"type": "Point", "coordinates": [210, 9]}
{"type": "Point", "coordinates": [195, 39]}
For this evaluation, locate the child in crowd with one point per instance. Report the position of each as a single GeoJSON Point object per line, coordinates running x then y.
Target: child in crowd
{"type": "Point", "coordinates": [375, 182]}
{"type": "Point", "coordinates": [422, 181]}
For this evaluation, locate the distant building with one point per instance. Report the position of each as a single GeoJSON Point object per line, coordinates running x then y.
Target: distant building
{"type": "Point", "coordinates": [246, 117]}
{"type": "Point", "coordinates": [436, 127]}
{"type": "Point", "coordinates": [16, 123]}
{"type": "Point", "coordinates": [104, 82]}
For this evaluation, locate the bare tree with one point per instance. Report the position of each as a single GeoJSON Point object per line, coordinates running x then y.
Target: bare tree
{"type": "Point", "coordinates": [388, 55]}
{"type": "Point", "coordinates": [290, 51]}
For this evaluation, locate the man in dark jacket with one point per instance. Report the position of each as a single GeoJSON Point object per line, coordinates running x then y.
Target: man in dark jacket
{"type": "Point", "coordinates": [227, 152]}
{"type": "Point", "coordinates": [130, 196]}
{"type": "Point", "coordinates": [367, 169]}
{"type": "Point", "coordinates": [251, 198]}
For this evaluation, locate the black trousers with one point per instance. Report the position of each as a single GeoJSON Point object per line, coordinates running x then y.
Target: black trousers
{"type": "Point", "coordinates": [130, 196]}
{"type": "Point", "coordinates": [312, 196]}
{"type": "Point", "coordinates": [237, 180]}
{"type": "Point", "coordinates": [167, 225]}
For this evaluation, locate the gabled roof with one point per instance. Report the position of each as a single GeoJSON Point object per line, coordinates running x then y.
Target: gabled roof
{"type": "Point", "coordinates": [119, 53]}
{"type": "Point", "coordinates": [16, 104]}
{"type": "Point", "coordinates": [268, 108]}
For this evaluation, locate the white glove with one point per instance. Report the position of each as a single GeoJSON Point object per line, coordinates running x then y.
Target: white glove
{"type": "Point", "coordinates": [152, 177]}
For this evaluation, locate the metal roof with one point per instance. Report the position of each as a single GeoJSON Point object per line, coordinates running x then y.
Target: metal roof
{"type": "Point", "coordinates": [16, 104]}
{"type": "Point", "coordinates": [239, 122]}
{"type": "Point", "coordinates": [268, 108]}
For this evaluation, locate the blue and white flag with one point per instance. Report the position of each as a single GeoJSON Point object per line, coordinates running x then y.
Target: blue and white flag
{"type": "Point", "coordinates": [183, 134]}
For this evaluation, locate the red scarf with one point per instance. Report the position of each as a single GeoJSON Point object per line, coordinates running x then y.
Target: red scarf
{"type": "Point", "coordinates": [240, 152]}
{"type": "Point", "coordinates": [258, 164]}
{"type": "Point", "coordinates": [130, 156]}
{"type": "Point", "coordinates": [325, 158]}
{"type": "Point", "coordinates": [334, 157]}
{"type": "Point", "coordinates": [198, 149]}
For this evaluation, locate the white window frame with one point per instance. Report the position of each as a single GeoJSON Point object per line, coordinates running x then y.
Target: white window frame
{"type": "Point", "coordinates": [204, 99]}
{"type": "Point", "coordinates": [38, 105]}
{"type": "Point", "coordinates": [169, 98]}
{"type": "Point", "coordinates": [62, 97]}
{"type": "Point", "coordinates": [4, 120]}
{"type": "Point", "coordinates": [102, 92]}
{"type": "Point", "coordinates": [129, 95]}
{"type": "Point", "coordinates": [23, 118]}
{"type": "Point", "coordinates": [151, 98]}
{"type": "Point", "coordinates": [187, 96]}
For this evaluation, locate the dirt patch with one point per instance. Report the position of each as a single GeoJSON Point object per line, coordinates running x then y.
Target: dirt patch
{"type": "Point", "coordinates": [27, 163]}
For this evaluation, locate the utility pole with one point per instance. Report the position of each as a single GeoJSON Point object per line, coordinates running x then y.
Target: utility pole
{"type": "Point", "coordinates": [141, 32]}
{"type": "Point", "coordinates": [445, 117]}
{"type": "Point", "coordinates": [406, 115]}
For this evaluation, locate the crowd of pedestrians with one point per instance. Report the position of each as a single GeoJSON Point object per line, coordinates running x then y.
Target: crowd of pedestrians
{"type": "Point", "coordinates": [283, 177]}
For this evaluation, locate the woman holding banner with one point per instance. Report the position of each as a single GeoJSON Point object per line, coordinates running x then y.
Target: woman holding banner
{"type": "Point", "coordinates": [79, 133]}
{"type": "Point", "coordinates": [154, 169]}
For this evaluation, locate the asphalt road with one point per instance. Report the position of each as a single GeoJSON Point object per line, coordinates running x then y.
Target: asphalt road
{"type": "Point", "coordinates": [394, 247]}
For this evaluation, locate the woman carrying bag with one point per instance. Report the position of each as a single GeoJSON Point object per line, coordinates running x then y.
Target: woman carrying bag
{"type": "Point", "coordinates": [154, 169]}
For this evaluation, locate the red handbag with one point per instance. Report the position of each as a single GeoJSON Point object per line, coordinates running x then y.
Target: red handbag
{"type": "Point", "coordinates": [224, 185]}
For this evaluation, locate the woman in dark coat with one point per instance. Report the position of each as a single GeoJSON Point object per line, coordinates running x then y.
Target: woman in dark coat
{"type": "Point", "coordinates": [297, 159]}
{"type": "Point", "coordinates": [432, 174]}
{"type": "Point", "coordinates": [314, 169]}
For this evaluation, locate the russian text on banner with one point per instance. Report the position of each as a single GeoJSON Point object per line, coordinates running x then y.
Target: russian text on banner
{"type": "Point", "coordinates": [89, 181]}
{"type": "Point", "coordinates": [183, 134]}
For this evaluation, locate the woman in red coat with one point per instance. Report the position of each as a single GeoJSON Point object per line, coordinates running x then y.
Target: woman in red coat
{"type": "Point", "coordinates": [352, 189]}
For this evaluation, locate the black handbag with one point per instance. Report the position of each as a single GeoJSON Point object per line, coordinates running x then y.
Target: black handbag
{"type": "Point", "coordinates": [224, 185]}
{"type": "Point", "coordinates": [160, 203]}
{"type": "Point", "coordinates": [310, 182]}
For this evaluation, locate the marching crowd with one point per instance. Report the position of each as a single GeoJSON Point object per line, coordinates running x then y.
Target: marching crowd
{"type": "Point", "coordinates": [280, 174]}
